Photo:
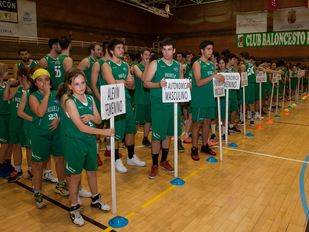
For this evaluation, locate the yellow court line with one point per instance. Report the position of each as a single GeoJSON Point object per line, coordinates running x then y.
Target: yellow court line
{"type": "Point", "coordinates": [108, 229]}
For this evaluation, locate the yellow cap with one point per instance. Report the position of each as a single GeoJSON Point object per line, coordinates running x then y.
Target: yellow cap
{"type": "Point", "coordinates": [40, 72]}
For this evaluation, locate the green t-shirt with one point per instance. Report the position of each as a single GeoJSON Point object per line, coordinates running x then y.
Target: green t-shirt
{"type": "Point", "coordinates": [32, 65]}
{"type": "Point", "coordinates": [4, 105]}
{"type": "Point", "coordinates": [15, 101]}
{"type": "Point", "coordinates": [164, 71]}
{"type": "Point", "coordinates": [250, 72]}
{"type": "Point", "coordinates": [83, 108]}
{"type": "Point", "coordinates": [142, 94]}
{"type": "Point", "coordinates": [42, 124]}
{"type": "Point", "coordinates": [88, 71]}
{"type": "Point", "coordinates": [203, 96]}
{"type": "Point", "coordinates": [53, 69]}
{"type": "Point", "coordinates": [121, 72]}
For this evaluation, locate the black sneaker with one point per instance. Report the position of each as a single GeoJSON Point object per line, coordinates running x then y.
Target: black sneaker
{"type": "Point", "coordinates": [251, 123]}
{"type": "Point", "coordinates": [97, 203]}
{"type": "Point", "coordinates": [194, 154]}
{"type": "Point", "coordinates": [146, 142]}
{"type": "Point", "coordinates": [213, 136]}
{"type": "Point", "coordinates": [14, 176]}
{"type": "Point", "coordinates": [223, 137]}
{"type": "Point", "coordinates": [206, 149]}
{"type": "Point", "coordinates": [181, 149]}
{"type": "Point", "coordinates": [234, 129]}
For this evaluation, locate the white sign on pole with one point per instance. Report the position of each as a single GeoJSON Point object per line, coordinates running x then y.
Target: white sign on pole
{"type": "Point", "coordinates": [244, 79]}
{"type": "Point", "coordinates": [219, 90]}
{"type": "Point", "coordinates": [113, 101]}
{"type": "Point", "coordinates": [232, 80]}
{"type": "Point", "coordinates": [176, 90]}
{"type": "Point", "coordinates": [278, 76]}
{"type": "Point", "coordinates": [274, 78]}
{"type": "Point", "coordinates": [261, 77]}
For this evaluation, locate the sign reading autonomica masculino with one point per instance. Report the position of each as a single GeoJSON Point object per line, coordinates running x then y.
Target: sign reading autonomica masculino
{"type": "Point", "coordinates": [285, 38]}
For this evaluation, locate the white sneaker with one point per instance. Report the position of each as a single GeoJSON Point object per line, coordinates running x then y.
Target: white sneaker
{"type": "Point", "coordinates": [49, 176]}
{"type": "Point", "coordinates": [257, 115]}
{"type": "Point", "coordinates": [96, 202]}
{"type": "Point", "coordinates": [76, 217]}
{"type": "Point", "coordinates": [135, 161]}
{"type": "Point", "coordinates": [120, 167]}
{"type": "Point", "coordinates": [84, 193]}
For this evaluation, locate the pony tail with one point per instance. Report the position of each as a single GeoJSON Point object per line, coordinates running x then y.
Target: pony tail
{"type": "Point", "coordinates": [62, 89]}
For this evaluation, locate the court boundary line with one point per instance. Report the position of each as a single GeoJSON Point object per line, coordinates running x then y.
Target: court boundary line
{"type": "Point", "coordinates": [266, 155]}
{"type": "Point", "coordinates": [293, 124]}
{"type": "Point", "coordinates": [62, 206]}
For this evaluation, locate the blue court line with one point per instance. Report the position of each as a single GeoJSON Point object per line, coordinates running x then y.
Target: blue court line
{"type": "Point", "coordinates": [302, 187]}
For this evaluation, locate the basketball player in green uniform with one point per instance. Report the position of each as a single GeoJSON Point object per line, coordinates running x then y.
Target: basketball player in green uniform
{"type": "Point", "coordinates": [6, 149]}
{"type": "Point", "coordinates": [45, 138]}
{"type": "Point", "coordinates": [26, 61]}
{"type": "Point", "coordinates": [50, 63]}
{"type": "Point", "coordinates": [13, 93]}
{"type": "Point", "coordinates": [203, 111]}
{"type": "Point", "coordinates": [79, 120]}
{"type": "Point", "coordinates": [117, 71]}
{"type": "Point", "coordinates": [162, 114]}
{"type": "Point", "coordinates": [142, 96]}
{"type": "Point", "coordinates": [64, 61]}
{"type": "Point", "coordinates": [95, 50]}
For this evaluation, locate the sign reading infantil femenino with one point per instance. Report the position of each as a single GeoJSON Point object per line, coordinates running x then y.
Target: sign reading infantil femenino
{"type": "Point", "coordinates": [232, 80]}
{"type": "Point", "coordinates": [113, 101]}
{"type": "Point", "coordinates": [176, 90]}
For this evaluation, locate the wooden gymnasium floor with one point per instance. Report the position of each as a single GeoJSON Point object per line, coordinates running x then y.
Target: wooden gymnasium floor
{"type": "Point", "coordinates": [258, 187]}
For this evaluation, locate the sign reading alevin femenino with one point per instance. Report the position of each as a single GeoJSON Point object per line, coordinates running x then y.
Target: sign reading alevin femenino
{"type": "Point", "coordinates": [267, 39]}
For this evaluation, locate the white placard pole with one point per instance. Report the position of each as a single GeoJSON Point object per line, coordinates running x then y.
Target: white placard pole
{"type": "Point", "coordinates": [297, 91]}
{"type": "Point", "coordinates": [244, 108]}
{"type": "Point", "coordinates": [283, 94]}
{"type": "Point", "coordinates": [176, 139]}
{"type": "Point", "coordinates": [260, 102]}
{"type": "Point", "coordinates": [271, 100]}
{"type": "Point", "coordinates": [220, 132]}
{"type": "Point", "coordinates": [113, 171]}
{"type": "Point", "coordinates": [290, 90]}
{"type": "Point", "coordinates": [226, 116]}
{"type": "Point", "coordinates": [277, 98]}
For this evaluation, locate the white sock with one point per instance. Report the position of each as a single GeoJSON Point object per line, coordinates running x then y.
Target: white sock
{"type": "Point", "coordinates": [231, 125]}
{"type": "Point", "coordinates": [213, 128]}
{"type": "Point", "coordinates": [18, 168]}
{"type": "Point", "coordinates": [223, 130]}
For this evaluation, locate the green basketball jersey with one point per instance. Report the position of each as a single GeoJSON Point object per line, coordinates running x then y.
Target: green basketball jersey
{"type": "Point", "coordinates": [27, 109]}
{"type": "Point", "coordinates": [250, 72]}
{"type": "Point", "coordinates": [42, 124]}
{"type": "Point", "coordinates": [15, 101]}
{"type": "Point", "coordinates": [4, 105]}
{"type": "Point", "coordinates": [88, 71]}
{"type": "Point", "coordinates": [32, 65]}
{"type": "Point", "coordinates": [60, 70]}
{"type": "Point", "coordinates": [164, 71]}
{"type": "Point", "coordinates": [203, 96]}
{"type": "Point", "coordinates": [120, 72]}
{"type": "Point", "coordinates": [54, 70]}
{"type": "Point", "coordinates": [142, 94]}
{"type": "Point", "coordinates": [101, 80]}
{"type": "Point", "coordinates": [83, 108]}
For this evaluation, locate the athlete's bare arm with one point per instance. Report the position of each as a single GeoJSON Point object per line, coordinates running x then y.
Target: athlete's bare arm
{"type": "Point", "coordinates": [84, 64]}
{"type": "Point", "coordinates": [67, 64]}
{"type": "Point", "coordinates": [149, 74]}
{"type": "Point", "coordinates": [94, 79]}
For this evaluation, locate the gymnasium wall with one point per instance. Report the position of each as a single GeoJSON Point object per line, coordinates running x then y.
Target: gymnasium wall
{"type": "Point", "coordinates": [93, 20]}
{"type": "Point", "coordinates": [217, 22]}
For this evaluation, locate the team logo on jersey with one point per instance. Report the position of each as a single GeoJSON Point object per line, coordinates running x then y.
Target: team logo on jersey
{"type": "Point", "coordinates": [124, 69]}
{"type": "Point", "coordinates": [176, 69]}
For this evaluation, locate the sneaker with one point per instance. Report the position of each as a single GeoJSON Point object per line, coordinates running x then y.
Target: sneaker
{"type": "Point", "coordinates": [166, 166]}
{"type": "Point", "coordinates": [181, 149]}
{"type": "Point", "coordinates": [100, 163]}
{"type": "Point", "coordinates": [234, 129]}
{"type": "Point", "coordinates": [206, 149]}
{"type": "Point", "coordinates": [213, 136]}
{"type": "Point", "coordinates": [97, 203]}
{"type": "Point", "coordinates": [39, 202]}
{"type": "Point", "coordinates": [120, 167]}
{"type": "Point", "coordinates": [135, 161]}
{"type": "Point", "coordinates": [76, 216]}
{"type": "Point", "coordinates": [61, 188]}
{"type": "Point", "coordinates": [49, 176]}
{"type": "Point", "coordinates": [84, 193]}
{"type": "Point", "coordinates": [153, 172]}
{"type": "Point", "coordinates": [6, 169]}
{"type": "Point", "coordinates": [251, 123]}
{"type": "Point", "coordinates": [14, 176]}
{"type": "Point", "coordinates": [107, 153]}
{"type": "Point", "coordinates": [146, 142]}
{"type": "Point", "coordinates": [187, 140]}
{"type": "Point", "coordinates": [212, 142]}
{"type": "Point", "coordinates": [223, 137]}
{"type": "Point", "coordinates": [194, 154]}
